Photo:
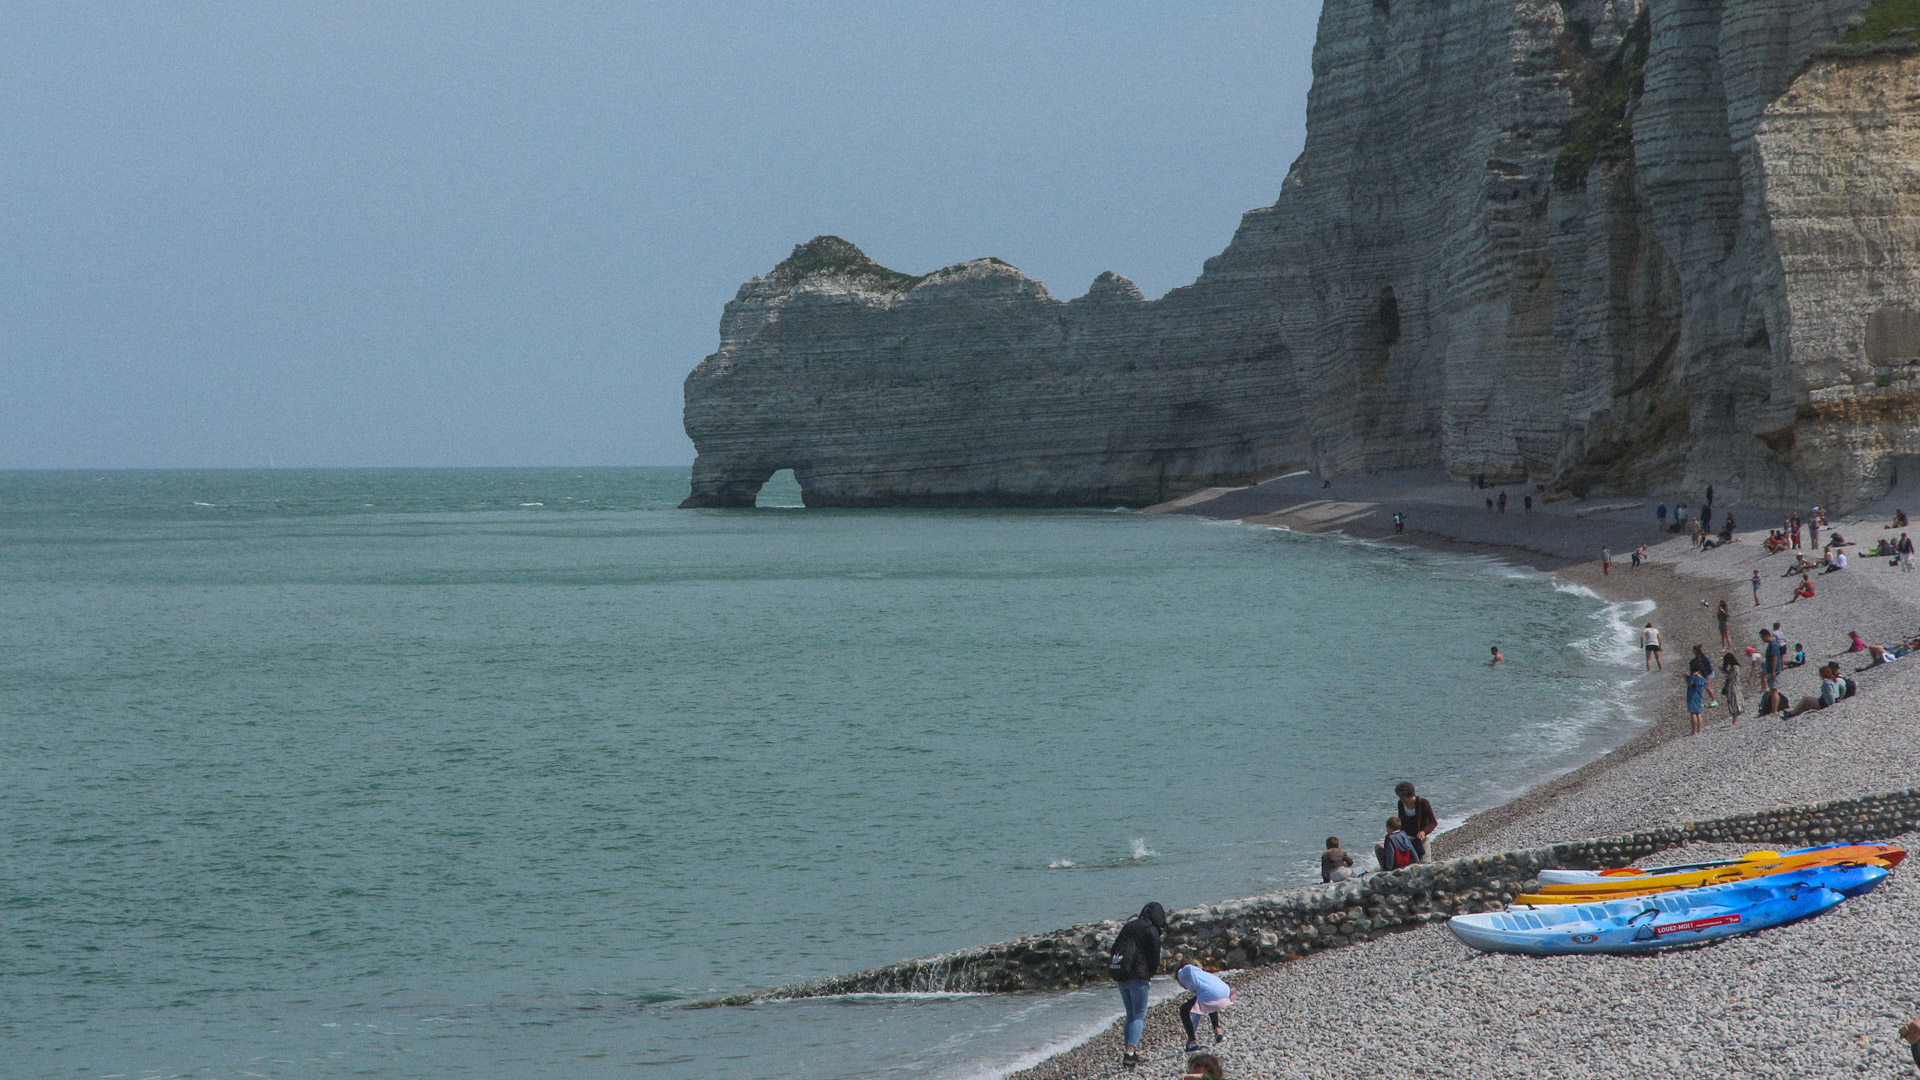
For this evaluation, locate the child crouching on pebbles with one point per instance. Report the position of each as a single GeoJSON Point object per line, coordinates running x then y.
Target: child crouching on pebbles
{"type": "Point", "coordinates": [1210, 995]}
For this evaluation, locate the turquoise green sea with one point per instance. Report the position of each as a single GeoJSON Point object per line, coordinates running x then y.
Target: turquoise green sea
{"type": "Point", "coordinates": [486, 773]}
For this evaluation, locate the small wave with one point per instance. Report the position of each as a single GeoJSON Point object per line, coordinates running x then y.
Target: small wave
{"type": "Point", "coordinates": [533, 504]}
{"type": "Point", "coordinates": [1141, 850]}
{"type": "Point", "coordinates": [198, 503]}
{"type": "Point", "coordinates": [1062, 864]}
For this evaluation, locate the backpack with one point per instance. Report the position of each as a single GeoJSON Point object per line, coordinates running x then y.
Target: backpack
{"type": "Point", "coordinates": [1125, 956]}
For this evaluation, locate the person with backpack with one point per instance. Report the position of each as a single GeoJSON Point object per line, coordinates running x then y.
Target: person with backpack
{"type": "Point", "coordinates": [1134, 959]}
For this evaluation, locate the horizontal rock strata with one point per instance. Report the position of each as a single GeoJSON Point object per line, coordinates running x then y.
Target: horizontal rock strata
{"type": "Point", "coordinates": [1284, 926]}
{"type": "Point", "coordinates": [1601, 245]}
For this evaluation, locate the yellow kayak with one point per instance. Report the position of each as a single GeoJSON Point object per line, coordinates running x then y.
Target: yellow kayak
{"type": "Point", "coordinates": [1622, 888]}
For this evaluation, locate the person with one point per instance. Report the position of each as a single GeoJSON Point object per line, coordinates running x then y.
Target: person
{"type": "Point", "coordinates": [1730, 686]}
{"type": "Point", "coordinates": [1804, 592]}
{"type": "Point", "coordinates": [1650, 644]}
{"type": "Point", "coordinates": [1335, 864]}
{"type": "Point", "coordinates": [1799, 658]}
{"type": "Point", "coordinates": [1396, 850]}
{"type": "Point", "coordinates": [1661, 513]}
{"type": "Point", "coordinates": [1633, 560]}
{"type": "Point", "coordinates": [1854, 644]}
{"type": "Point", "coordinates": [1899, 520]}
{"type": "Point", "coordinates": [1829, 685]}
{"type": "Point", "coordinates": [1606, 562]}
{"type": "Point", "coordinates": [1709, 494]}
{"type": "Point", "coordinates": [1210, 995]}
{"type": "Point", "coordinates": [1794, 519]}
{"type": "Point", "coordinates": [1776, 655]}
{"type": "Point", "coordinates": [1417, 813]}
{"type": "Point", "coordinates": [1756, 588]}
{"type": "Point", "coordinates": [1700, 663]}
{"type": "Point", "coordinates": [1204, 1067]}
{"type": "Point", "coordinates": [1399, 523]}
{"type": "Point", "coordinates": [1696, 698]}
{"type": "Point", "coordinates": [1721, 616]}
{"type": "Point", "coordinates": [1527, 502]}
{"type": "Point", "coordinates": [1905, 548]}
{"type": "Point", "coordinates": [1910, 1034]}
{"type": "Point", "coordinates": [1134, 960]}
{"type": "Point", "coordinates": [1836, 560]}
{"type": "Point", "coordinates": [1497, 658]}
{"type": "Point", "coordinates": [1489, 504]}
{"type": "Point", "coordinates": [1502, 503]}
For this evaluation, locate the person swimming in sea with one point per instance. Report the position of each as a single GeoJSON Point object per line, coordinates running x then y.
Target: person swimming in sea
{"type": "Point", "coordinates": [1497, 658]}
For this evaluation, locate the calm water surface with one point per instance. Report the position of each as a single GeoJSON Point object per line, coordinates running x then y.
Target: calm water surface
{"type": "Point", "coordinates": [483, 772]}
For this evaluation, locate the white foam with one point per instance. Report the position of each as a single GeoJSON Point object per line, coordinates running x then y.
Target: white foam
{"type": "Point", "coordinates": [1141, 850]}
{"type": "Point", "coordinates": [1062, 864]}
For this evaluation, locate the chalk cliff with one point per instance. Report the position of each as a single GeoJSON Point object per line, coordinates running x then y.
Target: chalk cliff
{"type": "Point", "coordinates": [1602, 245]}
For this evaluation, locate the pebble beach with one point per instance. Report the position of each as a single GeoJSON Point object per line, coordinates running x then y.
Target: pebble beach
{"type": "Point", "coordinates": [1818, 999]}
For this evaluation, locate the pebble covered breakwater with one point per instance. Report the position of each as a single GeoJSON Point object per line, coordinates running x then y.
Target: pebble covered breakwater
{"type": "Point", "coordinates": [1277, 927]}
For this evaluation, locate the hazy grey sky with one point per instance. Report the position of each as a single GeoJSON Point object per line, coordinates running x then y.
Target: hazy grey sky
{"type": "Point", "coordinates": [500, 234]}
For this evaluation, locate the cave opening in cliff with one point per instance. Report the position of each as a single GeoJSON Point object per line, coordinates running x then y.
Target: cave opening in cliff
{"type": "Point", "coordinates": [781, 491]}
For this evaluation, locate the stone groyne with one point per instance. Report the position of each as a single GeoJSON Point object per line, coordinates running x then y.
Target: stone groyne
{"type": "Point", "coordinates": [1278, 927]}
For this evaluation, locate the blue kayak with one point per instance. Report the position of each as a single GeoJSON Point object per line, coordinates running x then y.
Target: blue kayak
{"type": "Point", "coordinates": [1664, 920]}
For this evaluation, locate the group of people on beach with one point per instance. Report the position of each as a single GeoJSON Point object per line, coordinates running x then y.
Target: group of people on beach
{"type": "Point", "coordinates": [1134, 958]}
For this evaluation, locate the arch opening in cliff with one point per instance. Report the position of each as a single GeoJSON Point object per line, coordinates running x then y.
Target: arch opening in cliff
{"type": "Point", "coordinates": [781, 491]}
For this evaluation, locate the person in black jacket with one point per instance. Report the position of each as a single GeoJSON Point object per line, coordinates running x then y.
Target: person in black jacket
{"type": "Point", "coordinates": [1135, 959]}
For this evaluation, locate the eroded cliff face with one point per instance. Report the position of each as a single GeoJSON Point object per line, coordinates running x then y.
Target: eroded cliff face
{"type": "Point", "coordinates": [1607, 245]}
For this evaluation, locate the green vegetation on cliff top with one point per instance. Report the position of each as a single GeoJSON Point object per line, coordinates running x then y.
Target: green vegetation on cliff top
{"type": "Point", "coordinates": [1883, 18]}
{"type": "Point", "coordinates": [833, 256]}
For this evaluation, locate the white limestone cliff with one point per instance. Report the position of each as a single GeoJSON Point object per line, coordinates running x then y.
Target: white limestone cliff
{"type": "Point", "coordinates": [1602, 245]}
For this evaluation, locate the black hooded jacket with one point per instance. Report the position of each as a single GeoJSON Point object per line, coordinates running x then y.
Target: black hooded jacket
{"type": "Point", "coordinates": [1144, 934]}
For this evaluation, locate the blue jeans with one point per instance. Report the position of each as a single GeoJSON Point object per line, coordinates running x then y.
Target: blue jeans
{"type": "Point", "coordinates": [1133, 994]}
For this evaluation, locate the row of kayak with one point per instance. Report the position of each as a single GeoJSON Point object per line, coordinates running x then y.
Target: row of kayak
{"type": "Point", "coordinates": [1632, 910]}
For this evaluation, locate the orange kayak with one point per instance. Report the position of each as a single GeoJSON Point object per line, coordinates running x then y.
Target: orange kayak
{"type": "Point", "coordinates": [1746, 870]}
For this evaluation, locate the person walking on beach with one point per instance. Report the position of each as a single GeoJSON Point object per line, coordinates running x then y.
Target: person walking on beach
{"type": "Point", "coordinates": [1606, 562]}
{"type": "Point", "coordinates": [1905, 550]}
{"type": "Point", "coordinates": [1527, 502]}
{"type": "Point", "coordinates": [1135, 958]}
{"type": "Point", "coordinates": [1399, 523]}
{"type": "Point", "coordinates": [1721, 616]}
{"type": "Point", "coordinates": [1210, 995]}
{"type": "Point", "coordinates": [1696, 698]}
{"type": "Point", "coordinates": [1756, 588]}
{"type": "Point", "coordinates": [1417, 816]}
{"type": "Point", "coordinates": [1650, 644]}
{"type": "Point", "coordinates": [1730, 686]}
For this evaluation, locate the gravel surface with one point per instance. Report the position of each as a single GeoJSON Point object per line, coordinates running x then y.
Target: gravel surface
{"type": "Point", "coordinates": [1816, 1000]}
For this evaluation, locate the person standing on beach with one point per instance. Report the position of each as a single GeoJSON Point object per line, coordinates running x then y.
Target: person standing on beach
{"type": "Point", "coordinates": [1662, 515]}
{"type": "Point", "coordinates": [1416, 816]}
{"type": "Point", "coordinates": [1650, 643]}
{"type": "Point", "coordinates": [1606, 562]}
{"type": "Point", "coordinates": [1527, 502]}
{"type": "Point", "coordinates": [1502, 503]}
{"type": "Point", "coordinates": [1756, 586]}
{"type": "Point", "coordinates": [1721, 616]}
{"type": "Point", "coordinates": [1730, 686]}
{"type": "Point", "coordinates": [1772, 659]}
{"type": "Point", "coordinates": [1696, 698]}
{"type": "Point", "coordinates": [1905, 550]}
{"type": "Point", "coordinates": [1135, 958]}
{"type": "Point", "coordinates": [1399, 523]}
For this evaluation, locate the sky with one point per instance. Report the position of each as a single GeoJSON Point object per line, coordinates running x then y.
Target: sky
{"type": "Point", "coordinates": [443, 234]}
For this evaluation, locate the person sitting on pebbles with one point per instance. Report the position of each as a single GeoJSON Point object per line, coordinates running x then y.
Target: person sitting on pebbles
{"type": "Point", "coordinates": [1210, 995]}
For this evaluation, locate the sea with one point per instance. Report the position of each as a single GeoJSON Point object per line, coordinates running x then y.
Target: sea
{"type": "Point", "coordinates": [501, 773]}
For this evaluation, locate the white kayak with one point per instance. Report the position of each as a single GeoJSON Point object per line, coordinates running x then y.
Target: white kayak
{"type": "Point", "coordinates": [1665, 920]}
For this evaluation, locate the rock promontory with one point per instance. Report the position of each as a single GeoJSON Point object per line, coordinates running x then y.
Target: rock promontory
{"type": "Point", "coordinates": [1606, 246]}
